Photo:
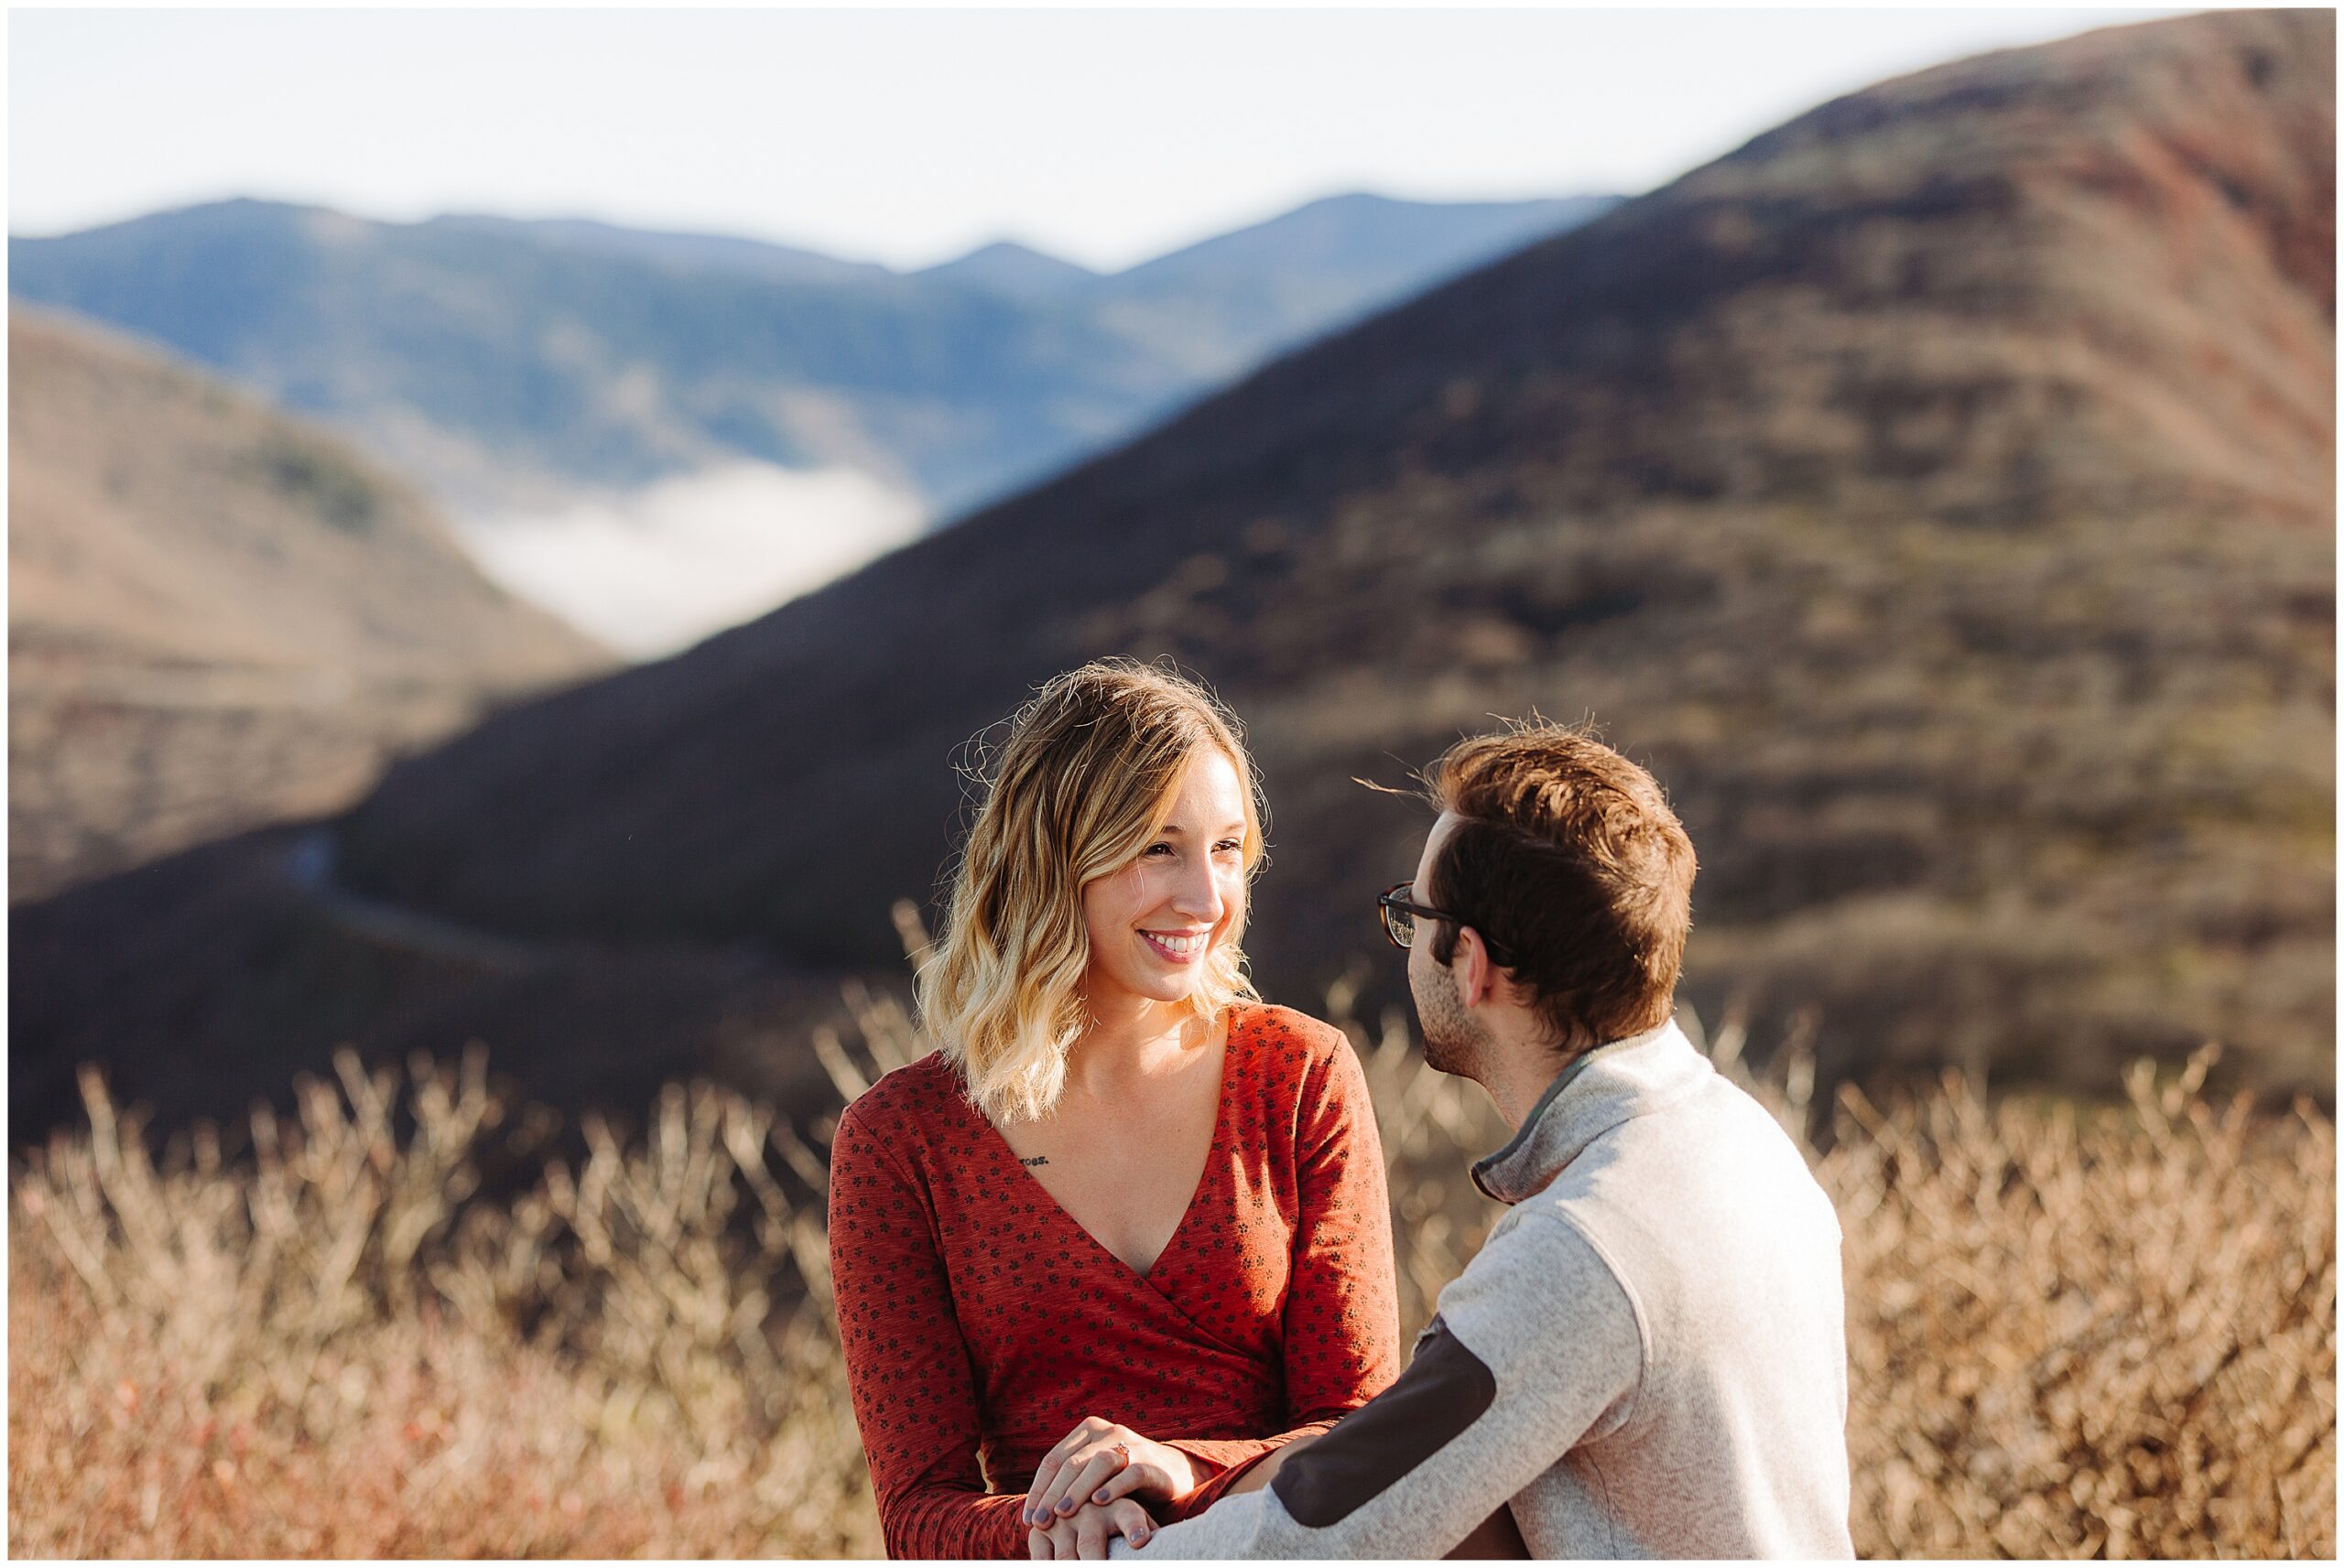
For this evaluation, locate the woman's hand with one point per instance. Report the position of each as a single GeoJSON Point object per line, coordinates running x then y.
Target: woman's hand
{"type": "Point", "coordinates": [1100, 1462]}
{"type": "Point", "coordinates": [1084, 1533]}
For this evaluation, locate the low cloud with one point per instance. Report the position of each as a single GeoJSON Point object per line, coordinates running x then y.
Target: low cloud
{"type": "Point", "coordinates": [658, 569]}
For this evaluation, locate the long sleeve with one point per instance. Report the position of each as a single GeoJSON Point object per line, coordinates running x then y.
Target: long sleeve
{"type": "Point", "coordinates": [907, 1363]}
{"type": "Point", "coordinates": [1341, 1319]}
{"type": "Point", "coordinates": [1497, 1393]}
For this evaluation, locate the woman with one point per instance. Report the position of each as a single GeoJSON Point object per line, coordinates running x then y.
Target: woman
{"type": "Point", "coordinates": [1123, 1233]}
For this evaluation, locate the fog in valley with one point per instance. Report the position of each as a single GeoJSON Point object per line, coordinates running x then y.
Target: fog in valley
{"type": "Point", "coordinates": [651, 570]}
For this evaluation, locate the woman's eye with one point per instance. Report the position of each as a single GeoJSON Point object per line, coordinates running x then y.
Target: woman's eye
{"type": "Point", "coordinates": [1156, 849]}
{"type": "Point", "coordinates": [1228, 847]}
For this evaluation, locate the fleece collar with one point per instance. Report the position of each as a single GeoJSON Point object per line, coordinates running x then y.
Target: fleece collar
{"type": "Point", "coordinates": [1596, 1093]}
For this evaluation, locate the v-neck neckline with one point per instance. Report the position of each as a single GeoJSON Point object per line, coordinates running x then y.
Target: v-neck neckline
{"type": "Point", "coordinates": [1196, 1197]}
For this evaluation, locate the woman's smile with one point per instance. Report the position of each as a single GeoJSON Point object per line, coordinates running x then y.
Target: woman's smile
{"type": "Point", "coordinates": [1178, 946]}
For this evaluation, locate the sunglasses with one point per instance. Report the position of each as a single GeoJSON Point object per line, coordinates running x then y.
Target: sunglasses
{"type": "Point", "coordinates": [1401, 914]}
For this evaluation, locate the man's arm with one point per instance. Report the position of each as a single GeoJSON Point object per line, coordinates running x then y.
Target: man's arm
{"type": "Point", "coordinates": [1536, 1347]}
{"type": "Point", "coordinates": [1495, 1537]}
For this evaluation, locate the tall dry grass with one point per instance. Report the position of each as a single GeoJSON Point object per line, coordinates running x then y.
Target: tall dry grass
{"type": "Point", "coordinates": [343, 1349]}
{"type": "Point", "coordinates": [2073, 1330]}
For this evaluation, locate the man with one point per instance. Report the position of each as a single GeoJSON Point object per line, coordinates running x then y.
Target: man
{"type": "Point", "coordinates": [1647, 1358]}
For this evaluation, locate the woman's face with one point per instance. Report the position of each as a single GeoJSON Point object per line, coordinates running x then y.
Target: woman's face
{"type": "Point", "coordinates": [1153, 922]}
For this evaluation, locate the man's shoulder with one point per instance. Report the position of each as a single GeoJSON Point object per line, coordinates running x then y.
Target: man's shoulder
{"type": "Point", "coordinates": [1537, 1243]}
{"type": "Point", "coordinates": [1713, 1130]}
{"type": "Point", "coordinates": [1709, 1192]}
{"type": "Point", "coordinates": [1544, 1278]}
{"type": "Point", "coordinates": [1744, 1144]}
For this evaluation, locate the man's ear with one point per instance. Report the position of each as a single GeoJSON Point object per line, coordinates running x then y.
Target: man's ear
{"type": "Point", "coordinates": [1477, 977]}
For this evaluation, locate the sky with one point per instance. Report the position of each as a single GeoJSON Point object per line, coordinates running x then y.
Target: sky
{"type": "Point", "coordinates": [908, 137]}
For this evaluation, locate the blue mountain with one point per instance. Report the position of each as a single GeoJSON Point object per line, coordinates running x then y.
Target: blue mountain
{"type": "Point", "coordinates": [503, 361]}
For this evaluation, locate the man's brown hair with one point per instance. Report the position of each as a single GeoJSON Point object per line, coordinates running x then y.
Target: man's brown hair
{"type": "Point", "coordinates": [1567, 858]}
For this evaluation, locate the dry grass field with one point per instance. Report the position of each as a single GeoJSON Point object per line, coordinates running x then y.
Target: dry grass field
{"type": "Point", "coordinates": [2073, 1331]}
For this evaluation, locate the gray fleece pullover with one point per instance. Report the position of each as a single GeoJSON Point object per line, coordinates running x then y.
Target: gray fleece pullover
{"type": "Point", "coordinates": [1648, 1358]}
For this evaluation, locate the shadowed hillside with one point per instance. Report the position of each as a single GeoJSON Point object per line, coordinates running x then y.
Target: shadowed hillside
{"type": "Point", "coordinates": [1935, 492]}
{"type": "Point", "coordinates": [217, 617]}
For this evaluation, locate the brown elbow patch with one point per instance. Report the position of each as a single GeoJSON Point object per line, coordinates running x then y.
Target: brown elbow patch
{"type": "Point", "coordinates": [1444, 1390]}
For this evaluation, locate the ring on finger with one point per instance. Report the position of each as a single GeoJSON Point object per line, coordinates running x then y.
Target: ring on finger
{"type": "Point", "coordinates": [1123, 1462]}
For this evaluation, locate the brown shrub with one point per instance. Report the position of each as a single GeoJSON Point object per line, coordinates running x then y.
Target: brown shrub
{"type": "Point", "coordinates": [342, 1351]}
{"type": "Point", "coordinates": [2080, 1333]}
{"type": "Point", "coordinates": [2073, 1330]}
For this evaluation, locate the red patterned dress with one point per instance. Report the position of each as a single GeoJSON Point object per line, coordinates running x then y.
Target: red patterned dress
{"type": "Point", "coordinates": [980, 1322]}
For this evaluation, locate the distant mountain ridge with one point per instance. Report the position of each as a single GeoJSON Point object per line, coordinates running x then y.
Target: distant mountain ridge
{"type": "Point", "coordinates": [510, 362]}
{"type": "Point", "coordinates": [685, 253]}
{"type": "Point", "coordinates": [1017, 271]}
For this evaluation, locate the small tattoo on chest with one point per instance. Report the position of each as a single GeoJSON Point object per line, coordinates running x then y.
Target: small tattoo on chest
{"type": "Point", "coordinates": [1037, 1160]}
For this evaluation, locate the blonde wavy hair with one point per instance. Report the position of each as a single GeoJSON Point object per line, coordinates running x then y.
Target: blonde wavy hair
{"type": "Point", "coordinates": [1080, 788]}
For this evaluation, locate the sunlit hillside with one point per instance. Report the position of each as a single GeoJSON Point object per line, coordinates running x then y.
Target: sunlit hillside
{"type": "Point", "coordinates": [219, 616]}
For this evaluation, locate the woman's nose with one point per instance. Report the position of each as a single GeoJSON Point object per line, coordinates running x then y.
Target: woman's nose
{"type": "Point", "coordinates": [1199, 892]}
